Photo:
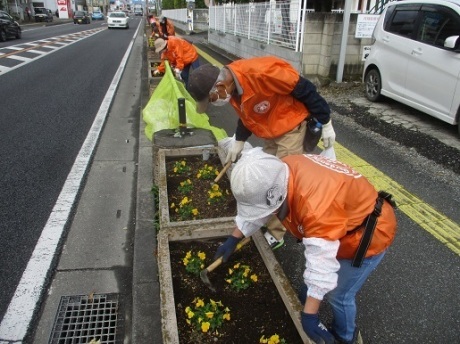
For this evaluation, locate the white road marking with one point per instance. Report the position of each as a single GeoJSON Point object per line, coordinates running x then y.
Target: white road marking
{"type": "Point", "coordinates": [18, 316]}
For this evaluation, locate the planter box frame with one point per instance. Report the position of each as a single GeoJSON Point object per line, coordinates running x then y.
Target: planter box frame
{"type": "Point", "coordinates": [168, 310]}
{"type": "Point", "coordinates": [164, 216]}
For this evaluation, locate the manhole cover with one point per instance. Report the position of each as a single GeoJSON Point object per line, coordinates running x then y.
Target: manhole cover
{"type": "Point", "coordinates": [85, 318]}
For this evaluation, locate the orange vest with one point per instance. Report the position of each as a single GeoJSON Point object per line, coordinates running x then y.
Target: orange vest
{"type": "Point", "coordinates": [328, 199]}
{"type": "Point", "coordinates": [266, 107]}
{"type": "Point", "coordinates": [180, 53]}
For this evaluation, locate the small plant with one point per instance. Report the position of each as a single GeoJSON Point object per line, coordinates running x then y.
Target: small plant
{"type": "Point", "coordinates": [274, 339]}
{"type": "Point", "coordinates": [194, 262]}
{"type": "Point", "coordinates": [181, 167]}
{"type": "Point", "coordinates": [207, 172]}
{"type": "Point", "coordinates": [185, 209]}
{"type": "Point", "coordinates": [185, 187]}
{"type": "Point", "coordinates": [215, 194]}
{"type": "Point", "coordinates": [240, 277]}
{"type": "Point", "coordinates": [206, 317]}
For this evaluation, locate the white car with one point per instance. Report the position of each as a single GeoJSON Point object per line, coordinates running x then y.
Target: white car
{"type": "Point", "coordinates": [118, 19]}
{"type": "Point", "coordinates": [415, 57]}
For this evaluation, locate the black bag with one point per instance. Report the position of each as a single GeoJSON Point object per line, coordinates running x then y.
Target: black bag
{"type": "Point", "coordinates": [313, 134]}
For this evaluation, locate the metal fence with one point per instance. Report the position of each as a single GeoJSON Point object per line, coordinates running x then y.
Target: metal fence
{"type": "Point", "coordinates": [274, 22]}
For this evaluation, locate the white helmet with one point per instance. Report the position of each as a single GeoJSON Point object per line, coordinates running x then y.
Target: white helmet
{"type": "Point", "coordinates": [259, 184]}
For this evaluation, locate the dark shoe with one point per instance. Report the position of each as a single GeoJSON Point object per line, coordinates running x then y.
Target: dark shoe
{"type": "Point", "coordinates": [357, 339]}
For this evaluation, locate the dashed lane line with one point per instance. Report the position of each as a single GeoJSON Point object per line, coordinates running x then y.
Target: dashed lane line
{"type": "Point", "coordinates": [12, 52]}
{"type": "Point", "coordinates": [423, 214]}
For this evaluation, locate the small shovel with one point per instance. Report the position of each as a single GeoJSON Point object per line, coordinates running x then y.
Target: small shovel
{"type": "Point", "coordinates": [226, 167]}
{"type": "Point", "coordinates": [216, 263]}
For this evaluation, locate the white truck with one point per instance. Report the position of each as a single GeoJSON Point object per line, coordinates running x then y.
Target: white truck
{"type": "Point", "coordinates": [138, 10]}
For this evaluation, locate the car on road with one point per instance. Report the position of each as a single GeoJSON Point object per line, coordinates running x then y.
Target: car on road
{"type": "Point", "coordinates": [81, 17]}
{"type": "Point", "coordinates": [43, 14]}
{"type": "Point", "coordinates": [9, 28]}
{"type": "Point", "coordinates": [118, 19]}
{"type": "Point", "coordinates": [97, 15]}
{"type": "Point", "coordinates": [415, 57]}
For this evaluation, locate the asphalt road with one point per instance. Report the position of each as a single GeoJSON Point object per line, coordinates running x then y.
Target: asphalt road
{"type": "Point", "coordinates": [47, 109]}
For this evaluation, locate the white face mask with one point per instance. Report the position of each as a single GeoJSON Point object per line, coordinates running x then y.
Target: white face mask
{"type": "Point", "coordinates": [222, 102]}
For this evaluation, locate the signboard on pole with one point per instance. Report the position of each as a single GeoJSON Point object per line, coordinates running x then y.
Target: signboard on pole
{"type": "Point", "coordinates": [365, 25]}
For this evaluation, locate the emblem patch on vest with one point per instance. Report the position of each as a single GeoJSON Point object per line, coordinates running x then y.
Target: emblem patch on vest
{"type": "Point", "coordinates": [262, 107]}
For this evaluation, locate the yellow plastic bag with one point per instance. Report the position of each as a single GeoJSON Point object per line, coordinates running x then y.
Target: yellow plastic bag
{"type": "Point", "coordinates": [162, 110]}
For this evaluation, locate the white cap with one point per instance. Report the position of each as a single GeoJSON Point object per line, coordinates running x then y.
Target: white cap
{"type": "Point", "coordinates": [259, 184]}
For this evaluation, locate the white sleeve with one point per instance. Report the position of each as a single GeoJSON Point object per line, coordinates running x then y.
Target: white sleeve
{"type": "Point", "coordinates": [248, 228]}
{"type": "Point", "coordinates": [321, 266]}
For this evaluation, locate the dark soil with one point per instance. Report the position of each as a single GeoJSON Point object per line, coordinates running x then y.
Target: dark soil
{"type": "Point", "coordinates": [199, 195]}
{"type": "Point", "coordinates": [256, 311]}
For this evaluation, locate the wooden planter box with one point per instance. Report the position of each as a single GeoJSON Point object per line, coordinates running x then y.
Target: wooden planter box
{"type": "Point", "coordinates": [207, 231]}
{"type": "Point", "coordinates": [162, 182]}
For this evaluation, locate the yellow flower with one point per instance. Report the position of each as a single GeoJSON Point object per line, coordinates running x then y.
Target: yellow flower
{"type": "Point", "coordinates": [201, 255]}
{"type": "Point", "coordinates": [186, 261]}
{"type": "Point", "coordinates": [188, 321]}
{"type": "Point", "coordinates": [188, 255]}
{"type": "Point", "coordinates": [172, 205]}
{"type": "Point", "coordinates": [182, 163]}
{"type": "Point", "coordinates": [275, 339]}
{"type": "Point", "coordinates": [195, 211]}
{"type": "Point", "coordinates": [175, 169]}
{"type": "Point", "coordinates": [199, 303]}
{"type": "Point", "coordinates": [213, 303]}
{"type": "Point", "coordinates": [229, 281]}
{"type": "Point", "coordinates": [210, 315]}
{"type": "Point", "coordinates": [254, 278]}
{"type": "Point", "coordinates": [198, 175]}
{"type": "Point", "coordinates": [215, 187]}
{"type": "Point", "coordinates": [190, 314]}
{"type": "Point", "coordinates": [226, 316]}
{"type": "Point", "coordinates": [263, 339]}
{"type": "Point", "coordinates": [205, 326]}
{"type": "Point", "coordinates": [187, 309]}
{"type": "Point", "coordinates": [236, 266]}
{"type": "Point", "coordinates": [230, 271]}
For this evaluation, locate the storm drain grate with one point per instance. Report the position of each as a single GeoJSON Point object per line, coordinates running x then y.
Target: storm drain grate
{"type": "Point", "coordinates": [83, 318]}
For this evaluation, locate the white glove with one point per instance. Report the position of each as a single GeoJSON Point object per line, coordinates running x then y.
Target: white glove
{"type": "Point", "coordinates": [178, 71]}
{"type": "Point", "coordinates": [328, 135]}
{"type": "Point", "coordinates": [234, 151]}
{"type": "Point", "coordinates": [156, 72]}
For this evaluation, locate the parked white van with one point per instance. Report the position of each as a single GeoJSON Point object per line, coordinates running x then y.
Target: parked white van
{"type": "Point", "coordinates": [415, 57]}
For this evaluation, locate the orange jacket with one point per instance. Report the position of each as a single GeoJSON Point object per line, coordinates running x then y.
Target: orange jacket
{"type": "Point", "coordinates": [266, 106]}
{"type": "Point", "coordinates": [179, 53]}
{"type": "Point", "coordinates": [170, 31]}
{"type": "Point", "coordinates": [331, 200]}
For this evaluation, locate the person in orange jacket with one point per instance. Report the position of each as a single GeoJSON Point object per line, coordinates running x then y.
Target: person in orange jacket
{"type": "Point", "coordinates": [273, 102]}
{"type": "Point", "coordinates": [166, 28]}
{"type": "Point", "coordinates": [181, 56]}
{"type": "Point", "coordinates": [345, 225]}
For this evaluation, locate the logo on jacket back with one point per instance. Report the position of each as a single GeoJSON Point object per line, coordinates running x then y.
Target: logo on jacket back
{"type": "Point", "coordinates": [262, 107]}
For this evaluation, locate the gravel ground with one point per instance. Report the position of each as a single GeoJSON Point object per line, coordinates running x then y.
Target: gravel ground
{"type": "Point", "coordinates": [419, 149]}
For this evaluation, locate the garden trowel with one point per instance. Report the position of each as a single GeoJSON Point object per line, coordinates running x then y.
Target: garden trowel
{"type": "Point", "coordinates": [216, 263]}
{"type": "Point", "coordinates": [224, 169]}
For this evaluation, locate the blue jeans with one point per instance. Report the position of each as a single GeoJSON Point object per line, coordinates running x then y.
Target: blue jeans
{"type": "Point", "coordinates": [186, 71]}
{"type": "Point", "coordinates": [343, 298]}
